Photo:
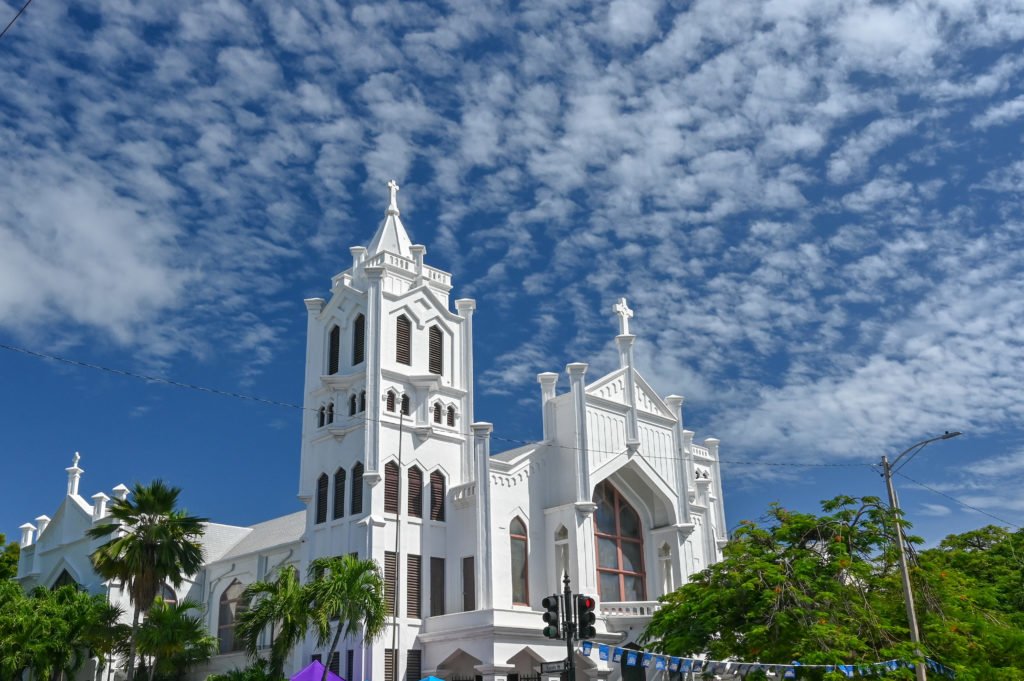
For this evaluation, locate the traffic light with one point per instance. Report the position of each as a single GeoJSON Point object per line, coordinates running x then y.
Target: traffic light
{"type": "Point", "coordinates": [553, 628]}
{"type": "Point", "coordinates": [585, 617]}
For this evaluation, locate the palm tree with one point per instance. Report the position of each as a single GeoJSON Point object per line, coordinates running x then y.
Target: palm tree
{"type": "Point", "coordinates": [174, 638]}
{"type": "Point", "coordinates": [350, 591]}
{"type": "Point", "coordinates": [152, 542]}
{"type": "Point", "coordinates": [284, 606]}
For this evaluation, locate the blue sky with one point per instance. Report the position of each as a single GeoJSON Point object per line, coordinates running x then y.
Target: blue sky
{"type": "Point", "coordinates": [814, 208]}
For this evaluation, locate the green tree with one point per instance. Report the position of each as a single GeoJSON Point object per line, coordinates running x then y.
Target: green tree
{"type": "Point", "coordinates": [285, 607]}
{"type": "Point", "coordinates": [350, 591]}
{"type": "Point", "coordinates": [174, 637]}
{"type": "Point", "coordinates": [151, 542]}
{"type": "Point", "coordinates": [257, 671]}
{"type": "Point", "coordinates": [8, 558]}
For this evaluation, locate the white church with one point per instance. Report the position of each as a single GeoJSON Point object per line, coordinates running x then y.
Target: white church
{"type": "Point", "coordinates": [393, 466]}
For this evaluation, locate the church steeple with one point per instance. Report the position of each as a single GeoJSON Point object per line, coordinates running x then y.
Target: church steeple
{"type": "Point", "coordinates": [391, 235]}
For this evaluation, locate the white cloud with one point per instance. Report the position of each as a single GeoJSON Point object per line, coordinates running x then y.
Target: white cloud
{"type": "Point", "coordinates": [1000, 114]}
{"type": "Point", "coordinates": [934, 510]}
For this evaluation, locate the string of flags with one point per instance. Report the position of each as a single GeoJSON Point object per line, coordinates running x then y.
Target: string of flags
{"type": "Point", "coordinates": [696, 666]}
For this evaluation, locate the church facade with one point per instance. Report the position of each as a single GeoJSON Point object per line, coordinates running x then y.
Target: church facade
{"type": "Point", "coordinates": [394, 466]}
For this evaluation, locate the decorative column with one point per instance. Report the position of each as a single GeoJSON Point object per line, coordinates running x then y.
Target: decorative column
{"type": "Point", "coordinates": [625, 345]}
{"type": "Point", "coordinates": [314, 369]}
{"type": "Point", "coordinates": [374, 338]}
{"type": "Point", "coordinates": [712, 444]}
{"type": "Point", "coordinates": [42, 522]}
{"type": "Point", "coordinates": [578, 387]}
{"type": "Point", "coordinates": [121, 492]}
{"type": "Point", "coordinates": [358, 257]}
{"type": "Point", "coordinates": [99, 506]}
{"type": "Point", "coordinates": [547, 381]}
{"type": "Point", "coordinates": [466, 307]}
{"type": "Point", "coordinates": [26, 534]}
{"type": "Point", "coordinates": [675, 403]}
{"type": "Point", "coordinates": [482, 459]}
{"type": "Point", "coordinates": [74, 475]}
{"type": "Point", "coordinates": [418, 251]}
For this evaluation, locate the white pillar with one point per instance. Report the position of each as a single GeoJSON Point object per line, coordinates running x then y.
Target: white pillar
{"type": "Point", "coordinates": [547, 381]}
{"type": "Point", "coordinates": [625, 345]}
{"type": "Point", "coordinates": [712, 444]}
{"type": "Point", "coordinates": [374, 339]}
{"type": "Point", "coordinates": [358, 256]}
{"type": "Point", "coordinates": [466, 307]}
{"type": "Point", "coordinates": [675, 403]}
{"type": "Point", "coordinates": [99, 506]}
{"type": "Point", "coordinates": [74, 476]}
{"type": "Point", "coordinates": [42, 522]}
{"type": "Point", "coordinates": [418, 251]}
{"type": "Point", "coordinates": [26, 534]}
{"type": "Point", "coordinates": [121, 492]}
{"type": "Point", "coordinates": [582, 454]}
{"type": "Point", "coordinates": [482, 459]}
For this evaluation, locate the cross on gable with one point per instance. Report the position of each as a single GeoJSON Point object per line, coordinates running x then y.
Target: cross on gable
{"type": "Point", "coordinates": [622, 310]}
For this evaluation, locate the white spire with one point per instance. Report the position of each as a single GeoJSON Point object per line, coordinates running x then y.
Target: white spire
{"type": "Point", "coordinates": [74, 474]}
{"type": "Point", "coordinates": [391, 235]}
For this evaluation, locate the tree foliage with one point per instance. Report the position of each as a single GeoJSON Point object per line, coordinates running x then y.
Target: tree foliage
{"type": "Point", "coordinates": [175, 638]}
{"type": "Point", "coordinates": [8, 558]}
{"type": "Point", "coordinates": [825, 589]}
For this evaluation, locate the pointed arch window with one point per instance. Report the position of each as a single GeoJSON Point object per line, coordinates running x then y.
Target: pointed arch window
{"type": "Point", "coordinates": [339, 493]}
{"type": "Point", "coordinates": [415, 477]}
{"type": "Point", "coordinates": [330, 412]}
{"type": "Point", "coordinates": [451, 416]}
{"type": "Point", "coordinates": [437, 412]}
{"type": "Point", "coordinates": [561, 554]}
{"type": "Point", "coordinates": [390, 404]}
{"type": "Point", "coordinates": [358, 339]}
{"type": "Point", "coordinates": [357, 488]}
{"type": "Point", "coordinates": [405, 404]}
{"type": "Point", "coordinates": [403, 340]}
{"type": "Point", "coordinates": [321, 498]}
{"type": "Point", "coordinates": [436, 354]}
{"type": "Point", "coordinates": [520, 563]}
{"type": "Point", "coordinates": [64, 579]}
{"type": "Point", "coordinates": [620, 547]}
{"type": "Point", "coordinates": [391, 487]}
{"type": "Point", "coordinates": [232, 604]}
{"type": "Point", "coordinates": [321, 417]}
{"type": "Point", "coordinates": [352, 405]}
{"type": "Point", "coordinates": [333, 349]}
{"type": "Point", "coordinates": [437, 496]}
{"type": "Point", "coordinates": [167, 593]}
{"type": "Point", "coordinates": [362, 401]}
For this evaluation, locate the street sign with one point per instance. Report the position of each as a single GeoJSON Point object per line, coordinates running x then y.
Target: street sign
{"type": "Point", "coordinates": [552, 667]}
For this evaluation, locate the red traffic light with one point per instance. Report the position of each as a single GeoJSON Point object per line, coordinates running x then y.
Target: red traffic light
{"type": "Point", "coordinates": [587, 602]}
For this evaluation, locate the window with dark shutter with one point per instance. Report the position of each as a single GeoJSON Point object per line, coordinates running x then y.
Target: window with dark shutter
{"type": "Point", "coordinates": [330, 412]}
{"type": "Point", "coordinates": [412, 587]}
{"type": "Point", "coordinates": [451, 416]}
{"type": "Point", "coordinates": [339, 493]}
{"type": "Point", "coordinates": [436, 586]}
{"type": "Point", "coordinates": [413, 665]}
{"type": "Point", "coordinates": [320, 417]}
{"type": "Point", "coordinates": [403, 340]}
{"type": "Point", "coordinates": [405, 404]}
{"type": "Point", "coordinates": [362, 401]}
{"type": "Point", "coordinates": [316, 657]}
{"type": "Point", "coordinates": [390, 565]}
{"type": "Point", "coordinates": [321, 498]}
{"type": "Point", "coordinates": [352, 405]}
{"type": "Point", "coordinates": [390, 405]}
{"type": "Point", "coordinates": [437, 495]}
{"type": "Point", "coordinates": [436, 363]}
{"type": "Point", "coordinates": [335, 664]}
{"type": "Point", "coordinates": [350, 660]}
{"type": "Point", "coordinates": [468, 583]}
{"type": "Point", "coordinates": [334, 348]}
{"type": "Point", "coordinates": [437, 412]}
{"type": "Point", "coordinates": [358, 339]}
{"type": "Point", "coordinates": [389, 665]}
{"type": "Point", "coordinates": [357, 488]}
{"type": "Point", "coordinates": [391, 487]}
{"type": "Point", "coordinates": [415, 478]}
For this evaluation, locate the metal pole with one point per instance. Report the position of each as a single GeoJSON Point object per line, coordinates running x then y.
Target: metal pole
{"type": "Point", "coordinates": [569, 626]}
{"type": "Point", "coordinates": [908, 593]}
{"type": "Point", "coordinates": [398, 553]}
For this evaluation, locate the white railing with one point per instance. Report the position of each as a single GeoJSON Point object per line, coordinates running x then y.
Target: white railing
{"type": "Point", "coordinates": [463, 495]}
{"type": "Point", "coordinates": [629, 608]}
{"type": "Point", "coordinates": [438, 275]}
{"type": "Point", "coordinates": [697, 450]}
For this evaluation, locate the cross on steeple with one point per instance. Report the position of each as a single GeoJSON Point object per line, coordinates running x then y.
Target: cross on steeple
{"type": "Point", "coordinates": [393, 208]}
{"type": "Point", "coordinates": [624, 313]}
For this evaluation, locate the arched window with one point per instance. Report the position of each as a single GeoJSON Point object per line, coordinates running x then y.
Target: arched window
{"type": "Point", "coordinates": [334, 349]}
{"type": "Point", "coordinates": [167, 593]}
{"type": "Point", "coordinates": [362, 401]}
{"type": "Point", "coordinates": [405, 404]}
{"type": "Point", "coordinates": [232, 604]}
{"type": "Point", "coordinates": [320, 417]}
{"type": "Point", "coordinates": [451, 416]}
{"type": "Point", "coordinates": [520, 568]}
{"type": "Point", "coordinates": [561, 554]}
{"type": "Point", "coordinates": [620, 547]}
{"type": "Point", "coordinates": [64, 579]}
{"type": "Point", "coordinates": [339, 493]}
{"type": "Point", "coordinates": [330, 412]}
{"type": "Point", "coordinates": [665, 564]}
{"type": "Point", "coordinates": [436, 355]}
{"type": "Point", "coordinates": [415, 478]}
{"type": "Point", "coordinates": [390, 404]}
{"type": "Point", "coordinates": [403, 340]}
{"type": "Point", "coordinates": [321, 498]}
{"type": "Point", "coordinates": [357, 488]}
{"type": "Point", "coordinates": [391, 487]}
{"type": "Point", "coordinates": [352, 403]}
{"type": "Point", "coordinates": [437, 412]}
{"type": "Point", "coordinates": [358, 339]}
{"type": "Point", "coordinates": [437, 496]}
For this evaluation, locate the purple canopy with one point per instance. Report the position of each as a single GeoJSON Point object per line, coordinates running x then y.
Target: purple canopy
{"type": "Point", "coordinates": [314, 671]}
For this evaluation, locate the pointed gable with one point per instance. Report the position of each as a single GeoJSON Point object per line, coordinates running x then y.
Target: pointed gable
{"type": "Point", "coordinates": [612, 387]}
{"type": "Point", "coordinates": [391, 236]}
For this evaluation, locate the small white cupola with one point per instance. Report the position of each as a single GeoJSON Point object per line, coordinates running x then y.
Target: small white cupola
{"type": "Point", "coordinates": [391, 235]}
{"type": "Point", "coordinates": [121, 492]}
{"type": "Point", "coordinates": [42, 522]}
{"type": "Point", "coordinates": [27, 530]}
{"type": "Point", "coordinates": [74, 475]}
{"type": "Point", "coordinates": [99, 505]}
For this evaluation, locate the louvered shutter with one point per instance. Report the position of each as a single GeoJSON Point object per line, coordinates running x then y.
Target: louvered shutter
{"type": "Point", "coordinates": [436, 586]}
{"type": "Point", "coordinates": [358, 339]}
{"type": "Point", "coordinates": [437, 412]}
{"type": "Point", "coordinates": [334, 348]}
{"type": "Point", "coordinates": [413, 665]}
{"type": "Point", "coordinates": [320, 417]}
{"type": "Point", "coordinates": [330, 412]}
{"type": "Point", "coordinates": [437, 496]}
{"type": "Point", "coordinates": [415, 477]}
{"type": "Point", "coordinates": [357, 488]}
{"type": "Point", "coordinates": [451, 416]}
{"type": "Point", "coordinates": [389, 665]}
{"type": "Point", "coordinates": [468, 583]}
{"type": "Point", "coordinates": [436, 364]}
{"type": "Point", "coordinates": [390, 564]}
{"type": "Point", "coordinates": [390, 487]}
{"type": "Point", "coordinates": [403, 340]}
{"type": "Point", "coordinates": [339, 493]}
{"type": "Point", "coordinates": [391, 401]}
{"type": "Point", "coordinates": [405, 404]}
{"type": "Point", "coordinates": [350, 658]}
{"type": "Point", "coordinates": [352, 405]}
{"type": "Point", "coordinates": [321, 498]}
{"type": "Point", "coordinates": [412, 587]}
{"type": "Point", "coordinates": [362, 401]}
{"type": "Point", "coordinates": [335, 663]}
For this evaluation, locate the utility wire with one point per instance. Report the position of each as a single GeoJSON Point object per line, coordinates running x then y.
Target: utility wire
{"type": "Point", "coordinates": [955, 500]}
{"type": "Point", "coordinates": [8, 26]}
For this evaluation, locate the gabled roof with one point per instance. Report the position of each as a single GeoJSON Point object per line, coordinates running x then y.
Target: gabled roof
{"type": "Point", "coordinates": [273, 532]}
{"type": "Point", "coordinates": [613, 388]}
{"type": "Point", "coordinates": [391, 237]}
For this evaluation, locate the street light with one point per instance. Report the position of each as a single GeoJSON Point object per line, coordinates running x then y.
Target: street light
{"type": "Point", "coordinates": [894, 504]}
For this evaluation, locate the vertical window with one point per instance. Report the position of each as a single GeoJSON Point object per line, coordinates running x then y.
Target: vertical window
{"type": "Point", "coordinates": [320, 417]}
{"type": "Point", "coordinates": [358, 339]}
{"type": "Point", "coordinates": [335, 663]}
{"type": "Point", "coordinates": [330, 412]}
{"type": "Point", "coordinates": [321, 498]}
{"type": "Point", "coordinates": [403, 340]}
{"type": "Point", "coordinates": [389, 665]}
{"type": "Point", "coordinates": [413, 665]}
{"type": "Point", "coordinates": [362, 401]}
{"type": "Point", "coordinates": [412, 587]}
{"type": "Point", "coordinates": [451, 416]}
{"type": "Point", "coordinates": [391, 487]}
{"type": "Point", "coordinates": [436, 586]}
{"type": "Point", "coordinates": [334, 348]}
{"type": "Point", "coordinates": [437, 412]}
{"type": "Point", "coordinates": [339, 493]}
{"type": "Point", "coordinates": [357, 488]}
{"type": "Point", "coordinates": [520, 568]}
{"type": "Point", "coordinates": [415, 477]}
{"type": "Point", "coordinates": [350, 657]}
{"type": "Point", "coordinates": [436, 363]}
{"type": "Point", "coordinates": [405, 404]}
{"type": "Point", "coordinates": [352, 405]}
{"type": "Point", "coordinates": [468, 583]}
{"type": "Point", "coordinates": [437, 496]}
{"type": "Point", "coordinates": [390, 567]}
{"type": "Point", "coordinates": [390, 405]}
{"type": "Point", "coordinates": [316, 657]}
{"type": "Point", "coordinates": [665, 563]}
{"type": "Point", "coordinates": [232, 604]}
{"type": "Point", "coordinates": [561, 554]}
{"type": "Point", "coordinates": [620, 547]}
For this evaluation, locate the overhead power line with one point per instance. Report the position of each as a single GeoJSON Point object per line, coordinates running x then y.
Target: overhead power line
{"type": "Point", "coordinates": [957, 501]}
{"type": "Point", "coordinates": [8, 26]}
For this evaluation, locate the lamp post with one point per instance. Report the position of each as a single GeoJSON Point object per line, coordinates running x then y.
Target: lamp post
{"type": "Point", "coordinates": [908, 595]}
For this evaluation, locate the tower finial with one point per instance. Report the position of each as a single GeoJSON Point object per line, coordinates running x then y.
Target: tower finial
{"type": "Point", "coordinates": [393, 207]}
{"type": "Point", "coordinates": [625, 314]}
